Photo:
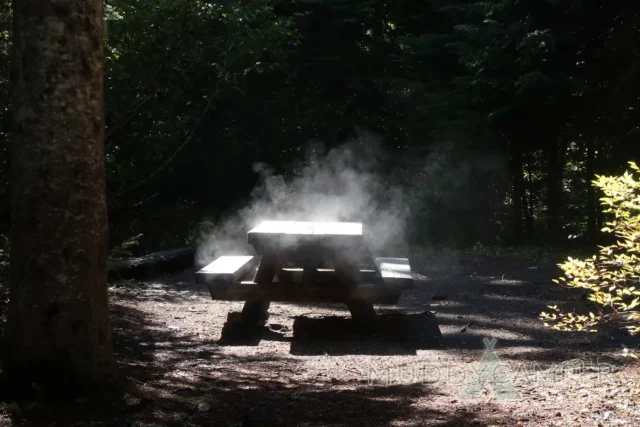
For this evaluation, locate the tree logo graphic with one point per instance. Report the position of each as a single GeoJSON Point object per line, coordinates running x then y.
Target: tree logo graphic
{"type": "Point", "coordinates": [490, 375]}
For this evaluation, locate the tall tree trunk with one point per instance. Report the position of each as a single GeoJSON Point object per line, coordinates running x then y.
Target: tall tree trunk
{"type": "Point", "coordinates": [530, 210]}
{"type": "Point", "coordinates": [592, 210]}
{"type": "Point", "coordinates": [600, 169]}
{"type": "Point", "coordinates": [58, 332]}
{"type": "Point", "coordinates": [555, 151]}
{"type": "Point", "coordinates": [517, 176]}
{"type": "Point", "coordinates": [525, 211]}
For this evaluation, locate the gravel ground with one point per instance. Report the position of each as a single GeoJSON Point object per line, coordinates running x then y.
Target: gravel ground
{"type": "Point", "coordinates": [414, 368]}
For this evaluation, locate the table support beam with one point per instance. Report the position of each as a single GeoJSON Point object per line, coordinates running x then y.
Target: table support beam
{"type": "Point", "coordinates": [362, 312]}
{"type": "Point", "coordinates": [256, 311]}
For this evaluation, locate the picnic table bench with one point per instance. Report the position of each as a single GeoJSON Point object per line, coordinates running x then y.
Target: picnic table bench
{"type": "Point", "coordinates": [307, 262]}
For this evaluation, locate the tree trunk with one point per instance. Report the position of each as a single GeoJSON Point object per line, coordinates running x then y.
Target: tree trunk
{"type": "Point", "coordinates": [518, 191]}
{"type": "Point", "coordinates": [525, 212]}
{"type": "Point", "coordinates": [555, 166]}
{"type": "Point", "coordinates": [599, 169]}
{"type": "Point", "coordinates": [530, 209]}
{"type": "Point", "coordinates": [58, 332]}
{"type": "Point", "coordinates": [592, 209]}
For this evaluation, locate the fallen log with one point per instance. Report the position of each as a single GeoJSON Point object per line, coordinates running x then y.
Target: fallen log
{"type": "Point", "coordinates": [154, 264]}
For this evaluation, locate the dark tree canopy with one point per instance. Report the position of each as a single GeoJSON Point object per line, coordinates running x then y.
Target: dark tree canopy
{"type": "Point", "coordinates": [493, 116]}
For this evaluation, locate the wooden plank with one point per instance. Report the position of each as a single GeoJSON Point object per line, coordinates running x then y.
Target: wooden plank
{"type": "Point", "coordinates": [395, 272]}
{"type": "Point", "coordinates": [303, 238]}
{"type": "Point", "coordinates": [227, 269]}
{"type": "Point", "coordinates": [306, 228]}
{"type": "Point", "coordinates": [323, 275]}
{"type": "Point", "coordinates": [279, 292]}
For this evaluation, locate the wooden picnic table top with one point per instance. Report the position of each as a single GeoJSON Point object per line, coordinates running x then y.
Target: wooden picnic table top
{"type": "Point", "coordinates": [289, 235]}
{"type": "Point", "coordinates": [307, 228]}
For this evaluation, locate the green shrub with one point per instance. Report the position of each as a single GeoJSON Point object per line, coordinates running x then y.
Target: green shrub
{"type": "Point", "coordinates": [612, 277]}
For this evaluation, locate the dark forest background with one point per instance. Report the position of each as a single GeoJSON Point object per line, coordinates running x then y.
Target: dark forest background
{"type": "Point", "coordinates": [493, 116]}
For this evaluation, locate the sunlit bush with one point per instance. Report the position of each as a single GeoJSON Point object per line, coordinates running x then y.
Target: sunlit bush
{"type": "Point", "coordinates": [612, 276]}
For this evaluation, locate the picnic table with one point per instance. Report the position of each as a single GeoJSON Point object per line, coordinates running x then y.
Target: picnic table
{"type": "Point", "coordinates": [307, 262]}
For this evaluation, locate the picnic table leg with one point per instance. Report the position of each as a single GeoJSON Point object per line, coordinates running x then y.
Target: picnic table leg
{"type": "Point", "coordinates": [348, 274]}
{"type": "Point", "coordinates": [362, 312]}
{"type": "Point", "coordinates": [310, 267]}
{"type": "Point", "coordinates": [256, 311]}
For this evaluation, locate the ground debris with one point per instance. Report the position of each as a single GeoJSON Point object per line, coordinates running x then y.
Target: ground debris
{"type": "Point", "coordinates": [167, 339]}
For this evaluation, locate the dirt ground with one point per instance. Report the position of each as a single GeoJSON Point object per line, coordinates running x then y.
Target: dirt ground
{"type": "Point", "coordinates": [415, 368]}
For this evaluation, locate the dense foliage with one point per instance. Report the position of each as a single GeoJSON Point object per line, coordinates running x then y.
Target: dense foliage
{"type": "Point", "coordinates": [612, 278]}
{"type": "Point", "coordinates": [494, 115]}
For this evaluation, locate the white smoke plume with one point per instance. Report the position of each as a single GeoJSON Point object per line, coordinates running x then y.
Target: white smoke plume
{"type": "Point", "coordinates": [351, 183]}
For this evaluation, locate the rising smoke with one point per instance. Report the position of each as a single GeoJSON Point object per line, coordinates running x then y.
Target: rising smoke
{"type": "Point", "coordinates": [347, 183]}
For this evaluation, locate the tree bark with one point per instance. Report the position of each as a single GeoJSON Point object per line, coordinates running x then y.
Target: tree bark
{"type": "Point", "coordinates": [530, 208]}
{"type": "Point", "coordinates": [600, 168]}
{"type": "Point", "coordinates": [555, 167]}
{"type": "Point", "coordinates": [58, 333]}
{"type": "Point", "coordinates": [525, 213]}
{"type": "Point", "coordinates": [592, 208]}
{"type": "Point", "coordinates": [517, 175]}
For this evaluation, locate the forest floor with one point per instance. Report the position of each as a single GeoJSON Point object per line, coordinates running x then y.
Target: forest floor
{"type": "Point", "coordinates": [167, 338]}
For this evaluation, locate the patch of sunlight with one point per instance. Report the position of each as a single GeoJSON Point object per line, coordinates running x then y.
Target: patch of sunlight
{"type": "Point", "coordinates": [506, 282]}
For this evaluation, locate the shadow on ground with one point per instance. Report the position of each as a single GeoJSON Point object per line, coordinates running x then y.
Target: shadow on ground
{"type": "Point", "coordinates": [179, 380]}
{"type": "Point", "coordinates": [502, 298]}
{"type": "Point", "coordinates": [485, 297]}
{"type": "Point", "coordinates": [388, 333]}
